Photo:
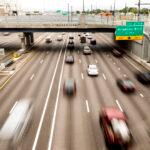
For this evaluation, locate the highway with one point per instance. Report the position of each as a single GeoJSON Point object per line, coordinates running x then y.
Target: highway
{"type": "Point", "coordinates": [72, 123]}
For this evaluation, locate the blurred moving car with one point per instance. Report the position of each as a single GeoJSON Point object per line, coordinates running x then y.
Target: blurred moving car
{"type": "Point", "coordinates": [71, 37]}
{"type": "Point", "coordinates": [82, 39]}
{"type": "Point", "coordinates": [89, 36]}
{"type": "Point", "coordinates": [69, 87]}
{"type": "Point", "coordinates": [92, 70]}
{"type": "Point", "coordinates": [143, 77]}
{"type": "Point", "coordinates": [48, 40]}
{"type": "Point", "coordinates": [59, 38]}
{"type": "Point", "coordinates": [115, 128]}
{"type": "Point", "coordinates": [16, 125]}
{"type": "Point", "coordinates": [69, 59]}
{"type": "Point", "coordinates": [6, 33]}
{"type": "Point", "coordinates": [117, 53]}
{"type": "Point", "coordinates": [87, 50]}
{"type": "Point", "coordinates": [126, 85]}
{"type": "Point", "coordinates": [93, 41]}
{"type": "Point", "coordinates": [70, 44]}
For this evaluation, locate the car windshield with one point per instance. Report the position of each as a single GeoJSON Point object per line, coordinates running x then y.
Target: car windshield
{"type": "Point", "coordinates": [147, 75]}
{"type": "Point", "coordinates": [128, 83]}
{"type": "Point", "coordinates": [92, 67]}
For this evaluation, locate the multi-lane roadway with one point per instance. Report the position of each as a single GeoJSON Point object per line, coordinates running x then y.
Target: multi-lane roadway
{"type": "Point", "coordinates": [72, 123]}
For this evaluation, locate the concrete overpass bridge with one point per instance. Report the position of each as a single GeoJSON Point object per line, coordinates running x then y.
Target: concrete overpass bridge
{"type": "Point", "coordinates": [30, 24]}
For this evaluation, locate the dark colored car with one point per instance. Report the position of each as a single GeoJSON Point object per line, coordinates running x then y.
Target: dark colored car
{"type": "Point", "coordinates": [70, 44]}
{"type": "Point", "coordinates": [93, 41]}
{"type": "Point", "coordinates": [69, 59]}
{"type": "Point", "coordinates": [143, 77]}
{"type": "Point", "coordinates": [82, 39]}
{"type": "Point", "coordinates": [126, 85]}
{"type": "Point", "coordinates": [71, 37]}
{"type": "Point", "coordinates": [115, 128]}
{"type": "Point", "coordinates": [117, 53]}
{"type": "Point", "coordinates": [69, 87]}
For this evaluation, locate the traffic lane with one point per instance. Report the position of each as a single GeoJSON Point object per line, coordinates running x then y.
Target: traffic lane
{"type": "Point", "coordinates": [45, 128]}
{"type": "Point", "coordinates": [144, 136]}
{"type": "Point", "coordinates": [124, 102]}
{"type": "Point", "coordinates": [141, 95]}
{"type": "Point", "coordinates": [38, 92]}
{"type": "Point", "coordinates": [72, 119]}
{"type": "Point", "coordinates": [94, 99]}
{"type": "Point", "coordinates": [27, 87]}
{"type": "Point", "coordinates": [13, 91]}
{"type": "Point", "coordinates": [138, 95]}
{"type": "Point", "coordinates": [9, 94]}
{"type": "Point", "coordinates": [95, 102]}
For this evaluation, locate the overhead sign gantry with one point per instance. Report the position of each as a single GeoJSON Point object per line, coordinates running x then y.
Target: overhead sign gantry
{"type": "Point", "coordinates": [132, 31]}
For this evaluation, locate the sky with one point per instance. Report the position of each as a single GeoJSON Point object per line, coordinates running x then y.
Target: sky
{"type": "Point", "coordinates": [52, 5]}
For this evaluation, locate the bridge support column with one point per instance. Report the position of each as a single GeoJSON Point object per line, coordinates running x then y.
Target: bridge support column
{"type": "Point", "coordinates": [23, 45]}
{"type": "Point", "coordinates": [28, 38]}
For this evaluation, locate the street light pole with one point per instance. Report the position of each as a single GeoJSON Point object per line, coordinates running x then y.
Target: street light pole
{"type": "Point", "coordinates": [114, 10]}
{"type": "Point", "coordinates": [68, 12]}
{"type": "Point", "coordinates": [83, 6]}
{"type": "Point", "coordinates": [139, 5]}
{"type": "Point", "coordinates": [71, 13]}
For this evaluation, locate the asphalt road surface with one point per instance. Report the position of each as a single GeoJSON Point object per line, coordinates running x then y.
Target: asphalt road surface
{"type": "Point", "coordinates": [62, 123]}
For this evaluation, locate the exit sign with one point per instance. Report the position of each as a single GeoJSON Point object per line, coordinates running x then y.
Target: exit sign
{"type": "Point", "coordinates": [129, 31]}
{"type": "Point", "coordinates": [135, 23]}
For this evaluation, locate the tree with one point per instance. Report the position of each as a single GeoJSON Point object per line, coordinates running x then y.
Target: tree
{"type": "Point", "coordinates": [144, 11]}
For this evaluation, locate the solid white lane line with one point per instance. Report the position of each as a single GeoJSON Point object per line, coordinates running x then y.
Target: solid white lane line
{"type": "Point", "coordinates": [46, 103]}
{"type": "Point", "coordinates": [82, 76]}
{"type": "Point", "coordinates": [31, 77]}
{"type": "Point", "coordinates": [87, 106]}
{"type": "Point", "coordinates": [13, 107]}
{"type": "Point", "coordinates": [56, 107]}
{"type": "Point", "coordinates": [41, 61]}
{"type": "Point", "coordinates": [119, 105]}
{"type": "Point", "coordinates": [79, 60]}
{"type": "Point", "coordinates": [141, 95]}
{"type": "Point", "coordinates": [104, 76]}
{"type": "Point", "coordinates": [132, 64]}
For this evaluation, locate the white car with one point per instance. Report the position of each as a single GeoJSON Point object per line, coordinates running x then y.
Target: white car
{"type": "Point", "coordinates": [92, 70]}
{"type": "Point", "coordinates": [48, 40]}
{"type": "Point", "coordinates": [59, 38]}
{"type": "Point", "coordinates": [16, 125]}
{"type": "Point", "coordinates": [89, 37]}
{"type": "Point", "coordinates": [87, 34]}
{"type": "Point", "coordinates": [87, 50]}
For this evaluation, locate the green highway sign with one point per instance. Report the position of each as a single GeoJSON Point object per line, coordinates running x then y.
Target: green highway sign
{"type": "Point", "coordinates": [129, 31]}
{"type": "Point", "coordinates": [65, 13]}
{"type": "Point", "coordinates": [58, 11]}
{"type": "Point", "coordinates": [137, 23]}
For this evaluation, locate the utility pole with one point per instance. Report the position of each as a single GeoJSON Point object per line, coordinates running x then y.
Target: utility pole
{"type": "Point", "coordinates": [125, 9]}
{"type": "Point", "coordinates": [83, 6]}
{"type": "Point", "coordinates": [139, 8]}
{"type": "Point", "coordinates": [139, 5]}
{"type": "Point", "coordinates": [114, 10]}
{"type": "Point", "coordinates": [68, 12]}
{"type": "Point", "coordinates": [71, 13]}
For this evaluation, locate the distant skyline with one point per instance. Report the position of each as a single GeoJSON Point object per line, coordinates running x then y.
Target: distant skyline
{"type": "Point", "coordinates": [51, 5]}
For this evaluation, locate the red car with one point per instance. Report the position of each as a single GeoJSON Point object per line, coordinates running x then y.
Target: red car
{"type": "Point", "coordinates": [115, 128]}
